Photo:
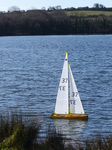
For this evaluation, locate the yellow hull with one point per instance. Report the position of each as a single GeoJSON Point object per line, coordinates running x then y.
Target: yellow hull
{"type": "Point", "coordinates": [69, 116]}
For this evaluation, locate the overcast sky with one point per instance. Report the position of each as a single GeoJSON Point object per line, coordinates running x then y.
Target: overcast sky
{"type": "Point", "coordinates": [38, 4]}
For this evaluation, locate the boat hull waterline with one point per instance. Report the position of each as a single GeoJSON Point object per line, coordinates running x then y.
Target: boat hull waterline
{"type": "Point", "coordinates": [69, 116]}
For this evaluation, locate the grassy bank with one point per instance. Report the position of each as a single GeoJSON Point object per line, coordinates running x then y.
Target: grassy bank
{"type": "Point", "coordinates": [15, 134]}
{"type": "Point", "coordinates": [88, 13]}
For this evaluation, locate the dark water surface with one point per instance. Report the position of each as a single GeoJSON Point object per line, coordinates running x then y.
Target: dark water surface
{"type": "Point", "coordinates": [30, 70]}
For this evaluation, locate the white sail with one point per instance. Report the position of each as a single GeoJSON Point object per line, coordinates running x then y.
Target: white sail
{"type": "Point", "coordinates": [62, 96]}
{"type": "Point", "coordinates": [75, 102]}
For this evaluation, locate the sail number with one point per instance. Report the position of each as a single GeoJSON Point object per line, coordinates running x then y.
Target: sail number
{"type": "Point", "coordinates": [74, 94]}
{"type": "Point", "coordinates": [72, 102]}
{"type": "Point", "coordinates": [64, 80]}
{"type": "Point", "coordinates": [62, 88]}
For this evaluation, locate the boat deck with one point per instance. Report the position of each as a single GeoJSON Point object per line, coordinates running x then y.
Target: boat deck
{"type": "Point", "coordinates": [69, 116]}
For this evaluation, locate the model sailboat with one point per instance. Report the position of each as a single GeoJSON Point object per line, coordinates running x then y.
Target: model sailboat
{"type": "Point", "coordinates": [68, 107]}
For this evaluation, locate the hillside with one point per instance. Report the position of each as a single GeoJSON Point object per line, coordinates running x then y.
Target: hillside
{"type": "Point", "coordinates": [55, 22]}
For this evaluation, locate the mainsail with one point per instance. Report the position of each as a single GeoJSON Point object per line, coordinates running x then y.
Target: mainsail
{"type": "Point", "coordinates": [75, 102]}
{"type": "Point", "coordinates": [62, 96]}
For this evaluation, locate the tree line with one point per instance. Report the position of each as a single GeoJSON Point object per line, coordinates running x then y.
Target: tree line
{"type": "Point", "coordinates": [96, 6]}
{"type": "Point", "coordinates": [55, 22]}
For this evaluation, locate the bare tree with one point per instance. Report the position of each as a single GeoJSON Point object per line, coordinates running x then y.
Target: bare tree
{"type": "Point", "coordinates": [13, 8]}
{"type": "Point", "coordinates": [43, 8]}
{"type": "Point", "coordinates": [58, 7]}
{"type": "Point", "coordinates": [51, 8]}
{"type": "Point", "coordinates": [97, 6]}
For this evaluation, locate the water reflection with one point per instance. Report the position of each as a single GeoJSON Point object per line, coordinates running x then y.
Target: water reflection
{"type": "Point", "coordinates": [71, 129]}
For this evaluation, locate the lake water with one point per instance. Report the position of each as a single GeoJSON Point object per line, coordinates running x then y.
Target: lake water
{"type": "Point", "coordinates": [30, 71]}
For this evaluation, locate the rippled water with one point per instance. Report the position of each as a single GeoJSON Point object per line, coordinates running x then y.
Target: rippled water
{"type": "Point", "coordinates": [30, 70]}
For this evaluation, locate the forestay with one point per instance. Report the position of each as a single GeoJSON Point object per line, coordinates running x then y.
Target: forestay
{"type": "Point", "coordinates": [62, 95]}
{"type": "Point", "coordinates": [75, 102]}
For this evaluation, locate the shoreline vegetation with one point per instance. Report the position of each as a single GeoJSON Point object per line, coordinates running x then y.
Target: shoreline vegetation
{"type": "Point", "coordinates": [58, 21]}
{"type": "Point", "coordinates": [16, 134]}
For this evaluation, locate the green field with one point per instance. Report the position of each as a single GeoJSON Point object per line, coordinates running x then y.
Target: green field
{"type": "Point", "coordinates": [85, 13]}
